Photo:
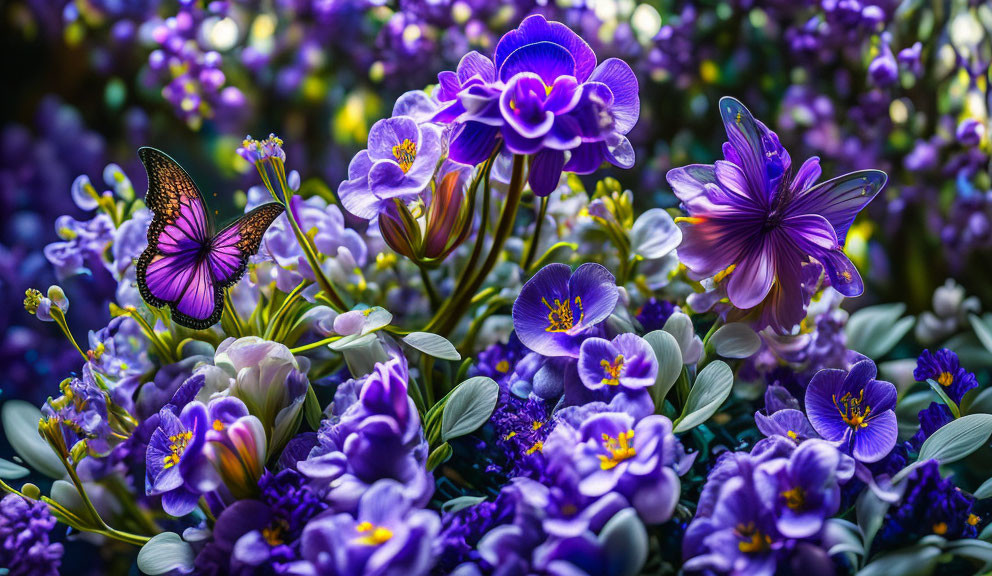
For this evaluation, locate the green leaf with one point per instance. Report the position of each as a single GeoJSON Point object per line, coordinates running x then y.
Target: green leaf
{"type": "Point", "coordinates": [875, 330]}
{"type": "Point", "coordinates": [11, 471]}
{"type": "Point", "coordinates": [957, 439]}
{"type": "Point", "coordinates": [973, 550]}
{"type": "Point", "coordinates": [626, 543]}
{"type": "Point", "coordinates": [955, 411]}
{"type": "Point", "coordinates": [712, 387]}
{"type": "Point", "coordinates": [439, 456]}
{"type": "Point", "coordinates": [461, 503]}
{"type": "Point", "coordinates": [20, 425]}
{"type": "Point", "coordinates": [311, 408]}
{"type": "Point", "coordinates": [669, 355]}
{"type": "Point", "coordinates": [735, 340]}
{"type": "Point", "coordinates": [432, 345]}
{"type": "Point", "coordinates": [984, 491]}
{"type": "Point", "coordinates": [870, 511]}
{"type": "Point", "coordinates": [164, 553]}
{"type": "Point", "coordinates": [469, 406]}
{"type": "Point", "coordinates": [983, 329]}
{"type": "Point", "coordinates": [915, 561]}
{"type": "Point", "coordinates": [981, 403]}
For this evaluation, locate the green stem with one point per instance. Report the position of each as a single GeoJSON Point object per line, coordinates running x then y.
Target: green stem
{"type": "Point", "coordinates": [239, 329]}
{"type": "Point", "coordinates": [315, 345]}
{"type": "Point", "coordinates": [536, 238]}
{"type": "Point", "coordinates": [59, 318]}
{"type": "Point", "coordinates": [425, 277]}
{"type": "Point", "coordinates": [460, 302]}
{"type": "Point", "coordinates": [283, 309]}
{"type": "Point", "coordinates": [160, 346]}
{"type": "Point", "coordinates": [103, 528]}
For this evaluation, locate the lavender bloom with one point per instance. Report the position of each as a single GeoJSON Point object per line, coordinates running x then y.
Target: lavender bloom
{"type": "Point", "coordinates": [398, 164]}
{"type": "Point", "coordinates": [628, 362]}
{"type": "Point", "coordinates": [788, 423]}
{"type": "Point", "coordinates": [750, 224]}
{"type": "Point", "coordinates": [855, 410]}
{"type": "Point", "coordinates": [883, 70]}
{"type": "Point", "coordinates": [82, 246]}
{"type": "Point", "coordinates": [176, 466]}
{"type": "Point", "coordinates": [944, 367]}
{"type": "Point", "coordinates": [25, 549]}
{"type": "Point", "coordinates": [804, 490]}
{"type": "Point", "coordinates": [610, 453]}
{"type": "Point", "coordinates": [556, 308]}
{"type": "Point", "coordinates": [387, 535]}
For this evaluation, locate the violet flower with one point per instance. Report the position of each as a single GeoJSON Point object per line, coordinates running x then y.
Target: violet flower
{"type": "Point", "coordinates": [754, 227]}
{"type": "Point", "coordinates": [556, 307]}
{"type": "Point", "coordinates": [176, 466]}
{"type": "Point", "coordinates": [854, 410]}
{"type": "Point", "coordinates": [236, 446]}
{"type": "Point", "coordinates": [627, 361]}
{"type": "Point", "coordinates": [398, 164]}
{"type": "Point", "coordinates": [804, 490]}
{"type": "Point", "coordinates": [788, 423]}
{"type": "Point", "coordinates": [944, 368]}
{"type": "Point", "coordinates": [387, 535]}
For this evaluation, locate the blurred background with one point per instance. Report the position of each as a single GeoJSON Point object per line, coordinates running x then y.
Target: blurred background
{"type": "Point", "coordinates": [902, 86]}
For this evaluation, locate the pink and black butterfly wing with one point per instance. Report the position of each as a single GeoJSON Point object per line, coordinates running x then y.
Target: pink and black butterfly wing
{"type": "Point", "coordinates": [185, 267]}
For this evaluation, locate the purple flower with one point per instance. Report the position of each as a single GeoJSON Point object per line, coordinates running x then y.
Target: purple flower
{"type": "Point", "coordinates": [628, 362]}
{"type": "Point", "coordinates": [932, 418]}
{"type": "Point", "coordinates": [177, 468]}
{"type": "Point", "coordinates": [855, 410]}
{"type": "Point", "coordinates": [82, 247]}
{"type": "Point", "coordinates": [610, 453]}
{"type": "Point", "coordinates": [944, 368]}
{"type": "Point", "coordinates": [24, 545]}
{"type": "Point", "coordinates": [753, 226]}
{"type": "Point", "coordinates": [82, 415]}
{"type": "Point", "coordinates": [788, 423]}
{"type": "Point", "coordinates": [804, 490]}
{"type": "Point", "coordinates": [398, 164]}
{"type": "Point", "coordinates": [556, 308]}
{"type": "Point", "coordinates": [883, 70]}
{"type": "Point", "coordinates": [654, 313]}
{"type": "Point", "coordinates": [387, 535]}
{"type": "Point", "coordinates": [236, 446]}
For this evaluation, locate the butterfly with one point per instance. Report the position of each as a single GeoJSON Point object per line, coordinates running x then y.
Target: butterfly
{"type": "Point", "coordinates": [186, 266]}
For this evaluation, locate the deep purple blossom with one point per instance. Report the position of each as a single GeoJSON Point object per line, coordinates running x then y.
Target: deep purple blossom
{"type": "Point", "coordinates": [932, 418]}
{"type": "Point", "coordinates": [755, 227]}
{"type": "Point", "coordinates": [944, 368]}
{"type": "Point", "coordinates": [25, 548]}
{"type": "Point", "coordinates": [177, 468]}
{"type": "Point", "coordinates": [556, 307]}
{"type": "Point", "coordinates": [627, 361]}
{"type": "Point", "coordinates": [398, 164]}
{"type": "Point", "coordinates": [855, 410]}
{"type": "Point", "coordinates": [236, 445]}
{"type": "Point", "coordinates": [83, 414]}
{"type": "Point", "coordinates": [387, 535]}
{"type": "Point", "coordinates": [788, 423]}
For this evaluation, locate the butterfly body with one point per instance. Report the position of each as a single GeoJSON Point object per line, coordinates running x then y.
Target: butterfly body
{"type": "Point", "coordinates": [186, 266]}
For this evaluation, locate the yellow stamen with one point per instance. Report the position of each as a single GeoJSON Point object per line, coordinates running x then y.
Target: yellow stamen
{"type": "Point", "coordinates": [177, 446]}
{"type": "Point", "coordinates": [724, 273]}
{"type": "Point", "coordinates": [374, 535]}
{"type": "Point", "coordinates": [973, 520]}
{"type": "Point", "coordinates": [560, 317]}
{"type": "Point", "coordinates": [690, 219]}
{"type": "Point", "coordinates": [537, 447]}
{"type": "Point", "coordinates": [619, 449]}
{"type": "Point", "coordinates": [612, 370]}
{"type": "Point", "coordinates": [792, 435]}
{"type": "Point", "coordinates": [536, 425]}
{"type": "Point", "coordinates": [940, 528]}
{"type": "Point", "coordinates": [405, 153]}
{"type": "Point", "coordinates": [852, 410]}
{"type": "Point", "coordinates": [794, 498]}
{"type": "Point", "coordinates": [503, 367]}
{"type": "Point", "coordinates": [753, 541]}
{"type": "Point", "coordinates": [218, 425]}
{"type": "Point", "coordinates": [945, 379]}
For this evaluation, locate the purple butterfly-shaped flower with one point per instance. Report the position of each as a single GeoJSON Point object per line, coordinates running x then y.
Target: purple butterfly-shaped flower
{"type": "Point", "coordinates": [186, 266]}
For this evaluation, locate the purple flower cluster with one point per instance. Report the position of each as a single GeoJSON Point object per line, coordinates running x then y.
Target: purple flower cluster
{"type": "Point", "coordinates": [25, 548]}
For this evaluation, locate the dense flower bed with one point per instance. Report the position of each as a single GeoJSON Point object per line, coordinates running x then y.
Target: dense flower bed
{"type": "Point", "coordinates": [471, 349]}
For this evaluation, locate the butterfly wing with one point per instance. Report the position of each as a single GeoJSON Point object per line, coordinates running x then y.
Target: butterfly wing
{"type": "Point", "coordinates": [232, 246]}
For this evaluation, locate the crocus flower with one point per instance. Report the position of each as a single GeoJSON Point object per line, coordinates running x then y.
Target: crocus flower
{"type": "Point", "coordinates": [556, 308]}
{"type": "Point", "coordinates": [236, 446]}
{"type": "Point", "coordinates": [855, 410]}
{"type": "Point", "coordinates": [627, 361]}
{"type": "Point", "coordinates": [398, 164]}
{"type": "Point", "coordinates": [177, 468]}
{"type": "Point", "coordinates": [804, 490]}
{"type": "Point", "coordinates": [610, 453]}
{"type": "Point", "coordinates": [387, 535]}
{"type": "Point", "coordinates": [944, 367]}
{"type": "Point", "coordinates": [754, 227]}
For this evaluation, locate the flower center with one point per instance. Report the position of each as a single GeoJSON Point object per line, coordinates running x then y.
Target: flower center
{"type": "Point", "coordinates": [753, 541]}
{"type": "Point", "coordinates": [560, 317]}
{"type": "Point", "coordinates": [793, 435]}
{"type": "Point", "coordinates": [503, 367]}
{"type": "Point", "coordinates": [852, 410]}
{"type": "Point", "coordinates": [612, 370]}
{"type": "Point", "coordinates": [177, 446]}
{"type": "Point", "coordinates": [945, 379]}
{"type": "Point", "coordinates": [794, 498]}
{"type": "Point", "coordinates": [619, 449]}
{"type": "Point", "coordinates": [273, 533]}
{"type": "Point", "coordinates": [373, 535]}
{"type": "Point", "coordinates": [405, 153]}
